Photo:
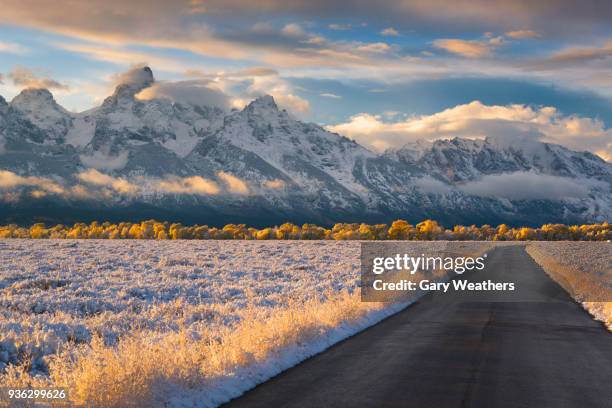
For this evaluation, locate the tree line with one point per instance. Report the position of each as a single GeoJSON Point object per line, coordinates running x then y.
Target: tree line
{"type": "Point", "coordinates": [398, 230]}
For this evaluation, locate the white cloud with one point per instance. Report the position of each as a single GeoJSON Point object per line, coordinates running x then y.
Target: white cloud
{"type": "Point", "coordinates": [524, 185]}
{"type": "Point", "coordinates": [244, 85]}
{"type": "Point", "coordinates": [252, 72]}
{"type": "Point", "coordinates": [234, 184]}
{"type": "Point", "coordinates": [195, 92]}
{"type": "Point", "coordinates": [476, 121]}
{"type": "Point", "coordinates": [13, 48]}
{"type": "Point", "coordinates": [293, 30]}
{"type": "Point", "coordinates": [120, 185]}
{"type": "Point", "coordinates": [293, 103]}
{"type": "Point", "coordinates": [282, 91]}
{"type": "Point", "coordinates": [330, 95]}
{"type": "Point", "coordinates": [275, 184]}
{"type": "Point", "coordinates": [188, 185]}
{"type": "Point", "coordinates": [123, 56]}
{"type": "Point", "coordinates": [138, 186]}
{"type": "Point", "coordinates": [170, 184]}
{"type": "Point", "coordinates": [390, 31]}
{"type": "Point", "coordinates": [262, 27]}
{"type": "Point", "coordinates": [24, 77]}
{"type": "Point", "coordinates": [574, 57]}
{"type": "Point", "coordinates": [522, 34]}
{"type": "Point", "coordinates": [139, 76]}
{"type": "Point", "coordinates": [431, 185]}
{"type": "Point", "coordinates": [340, 27]}
{"type": "Point", "coordinates": [374, 48]}
{"type": "Point", "coordinates": [11, 181]}
{"type": "Point", "coordinates": [469, 48]}
{"type": "Point", "coordinates": [495, 41]}
{"type": "Point", "coordinates": [93, 184]}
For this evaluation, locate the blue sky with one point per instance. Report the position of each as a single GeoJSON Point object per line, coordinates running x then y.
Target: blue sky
{"type": "Point", "coordinates": [331, 62]}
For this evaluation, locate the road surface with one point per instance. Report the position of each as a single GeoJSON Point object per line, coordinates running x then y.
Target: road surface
{"type": "Point", "coordinates": [454, 351]}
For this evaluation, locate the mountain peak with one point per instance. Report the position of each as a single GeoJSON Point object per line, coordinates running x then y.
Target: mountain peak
{"type": "Point", "coordinates": [33, 94]}
{"type": "Point", "coordinates": [36, 100]}
{"type": "Point", "coordinates": [41, 109]}
{"type": "Point", "coordinates": [412, 151]}
{"type": "Point", "coordinates": [148, 71]}
{"type": "Point", "coordinates": [131, 83]}
{"type": "Point", "coordinates": [263, 102]}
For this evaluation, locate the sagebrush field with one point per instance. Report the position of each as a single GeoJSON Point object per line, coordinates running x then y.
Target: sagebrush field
{"type": "Point", "coordinates": [583, 269]}
{"type": "Point", "coordinates": [138, 323]}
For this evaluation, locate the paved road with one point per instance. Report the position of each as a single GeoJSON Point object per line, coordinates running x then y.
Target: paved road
{"type": "Point", "coordinates": [453, 351]}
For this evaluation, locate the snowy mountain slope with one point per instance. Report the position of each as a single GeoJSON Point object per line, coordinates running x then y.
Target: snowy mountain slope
{"type": "Point", "coordinates": [177, 127]}
{"type": "Point", "coordinates": [459, 160]}
{"type": "Point", "coordinates": [262, 145]}
{"type": "Point", "coordinates": [40, 108]}
{"type": "Point", "coordinates": [259, 164]}
{"type": "Point", "coordinates": [27, 149]}
{"type": "Point", "coordinates": [139, 135]}
{"type": "Point", "coordinates": [15, 126]}
{"type": "Point", "coordinates": [289, 144]}
{"type": "Point", "coordinates": [468, 165]}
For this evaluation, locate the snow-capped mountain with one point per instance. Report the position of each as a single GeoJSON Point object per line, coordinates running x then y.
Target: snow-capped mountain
{"type": "Point", "coordinates": [40, 108]}
{"type": "Point", "coordinates": [262, 144]}
{"type": "Point", "coordinates": [198, 163]}
{"type": "Point", "coordinates": [124, 121]}
{"type": "Point", "coordinates": [458, 160]}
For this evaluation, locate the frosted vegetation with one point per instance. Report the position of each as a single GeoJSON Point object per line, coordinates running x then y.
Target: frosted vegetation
{"type": "Point", "coordinates": [584, 269]}
{"type": "Point", "coordinates": [140, 323]}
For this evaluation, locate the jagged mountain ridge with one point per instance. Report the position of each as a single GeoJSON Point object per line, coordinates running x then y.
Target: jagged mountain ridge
{"type": "Point", "coordinates": [40, 108]}
{"type": "Point", "coordinates": [459, 160]}
{"type": "Point", "coordinates": [294, 170]}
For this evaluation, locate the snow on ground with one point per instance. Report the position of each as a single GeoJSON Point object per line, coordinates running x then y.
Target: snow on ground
{"type": "Point", "coordinates": [57, 291]}
{"type": "Point", "coordinates": [584, 269]}
{"type": "Point", "coordinates": [60, 295]}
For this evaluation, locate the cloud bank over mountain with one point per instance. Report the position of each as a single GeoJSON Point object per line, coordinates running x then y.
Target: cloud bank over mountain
{"type": "Point", "coordinates": [523, 185]}
{"type": "Point", "coordinates": [513, 123]}
{"type": "Point", "coordinates": [25, 78]}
